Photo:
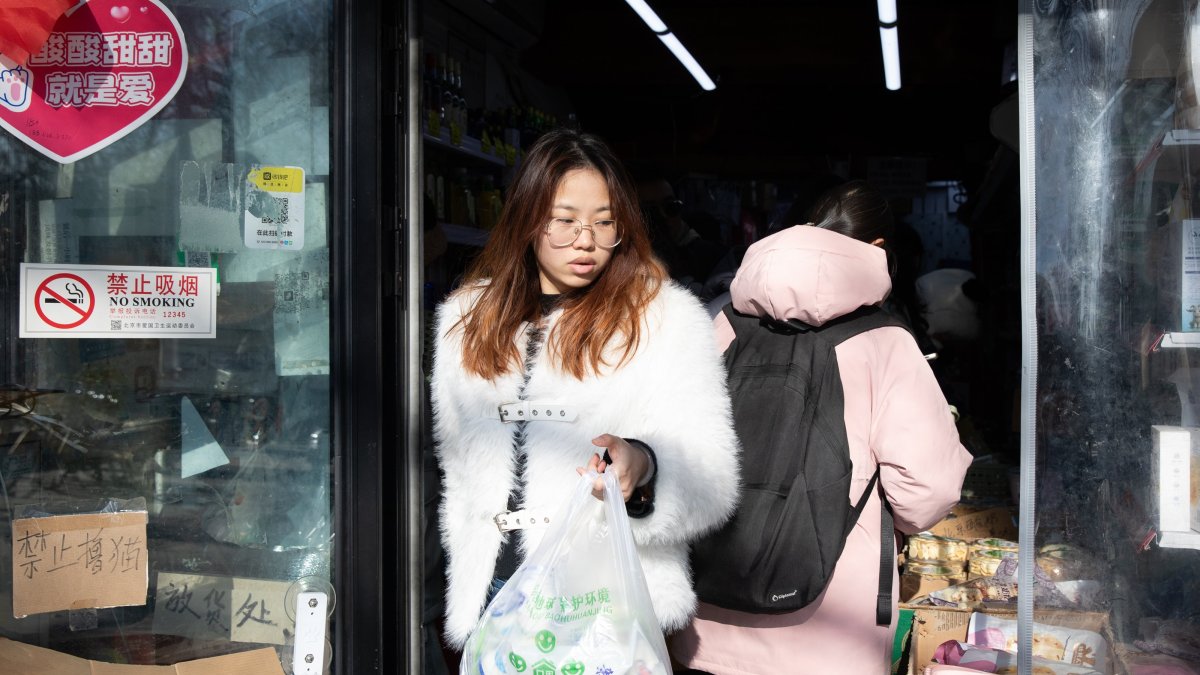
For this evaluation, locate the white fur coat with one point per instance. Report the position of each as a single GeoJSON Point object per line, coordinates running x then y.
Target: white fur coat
{"type": "Point", "coordinates": [671, 395]}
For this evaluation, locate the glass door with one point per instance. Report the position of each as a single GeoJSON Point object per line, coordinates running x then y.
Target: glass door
{"type": "Point", "coordinates": [1110, 513]}
{"type": "Point", "coordinates": [179, 478]}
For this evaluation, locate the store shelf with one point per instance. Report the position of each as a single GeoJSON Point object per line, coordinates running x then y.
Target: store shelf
{"type": "Point", "coordinates": [1170, 139]}
{"type": "Point", "coordinates": [470, 147]}
{"type": "Point", "coordinates": [1182, 137]}
{"type": "Point", "coordinates": [465, 234]}
{"type": "Point", "coordinates": [1179, 539]}
{"type": "Point", "coordinates": [1180, 341]}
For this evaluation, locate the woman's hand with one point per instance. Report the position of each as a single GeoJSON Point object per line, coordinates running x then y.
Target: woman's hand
{"type": "Point", "coordinates": [631, 464]}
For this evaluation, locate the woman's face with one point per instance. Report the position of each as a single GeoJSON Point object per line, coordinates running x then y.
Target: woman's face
{"type": "Point", "coordinates": [581, 194]}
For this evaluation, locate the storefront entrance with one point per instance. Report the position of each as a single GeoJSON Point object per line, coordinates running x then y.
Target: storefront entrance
{"type": "Point", "coordinates": [200, 427]}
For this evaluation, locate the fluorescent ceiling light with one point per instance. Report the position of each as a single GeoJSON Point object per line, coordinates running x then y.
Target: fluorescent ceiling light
{"type": "Point", "coordinates": [889, 38]}
{"type": "Point", "coordinates": [660, 29]}
{"type": "Point", "coordinates": [656, 24]}
{"type": "Point", "coordinates": [685, 57]}
{"type": "Point", "coordinates": [887, 11]}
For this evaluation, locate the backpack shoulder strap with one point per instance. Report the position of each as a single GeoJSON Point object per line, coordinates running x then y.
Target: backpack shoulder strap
{"type": "Point", "coordinates": [737, 320]}
{"type": "Point", "coordinates": [861, 320]}
{"type": "Point", "coordinates": [837, 331]}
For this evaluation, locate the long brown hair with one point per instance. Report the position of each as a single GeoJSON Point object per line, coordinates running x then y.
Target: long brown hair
{"type": "Point", "coordinates": [505, 274]}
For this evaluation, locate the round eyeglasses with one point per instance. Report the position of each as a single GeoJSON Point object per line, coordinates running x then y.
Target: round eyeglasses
{"type": "Point", "coordinates": [564, 232]}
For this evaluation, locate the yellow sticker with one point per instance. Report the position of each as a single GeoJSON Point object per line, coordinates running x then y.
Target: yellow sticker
{"type": "Point", "coordinates": [278, 178]}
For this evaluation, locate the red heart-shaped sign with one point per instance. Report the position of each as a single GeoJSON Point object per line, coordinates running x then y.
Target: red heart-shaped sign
{"type": "Point", "coordinates": [107, 67]}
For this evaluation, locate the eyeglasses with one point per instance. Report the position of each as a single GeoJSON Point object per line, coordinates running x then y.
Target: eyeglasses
{"type": "Point", "coordinates": [564, 232]}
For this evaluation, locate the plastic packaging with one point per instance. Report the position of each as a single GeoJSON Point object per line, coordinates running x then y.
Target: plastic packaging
{"type": "Point", "coordinates": [953, 570]}
{"type": "Point", "coordinates": [578, 603]}
{"type": "Point", "coordinates": [984, 563]}
{"type": "Point", "coordinates": [927, 546]}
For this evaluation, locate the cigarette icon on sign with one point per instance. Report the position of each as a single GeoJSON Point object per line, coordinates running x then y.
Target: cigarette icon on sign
{"type": "Point", "coordinates": [73, 290]}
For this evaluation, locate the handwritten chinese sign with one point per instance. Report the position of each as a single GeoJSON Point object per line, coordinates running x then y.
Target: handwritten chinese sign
{"type": "Point", "coordinates": [79, 561]}
{"type": "Point", "coordinates": [228, 608]}
{"type": "Point", "coordinates": [107, 67]}
{"type": "Point", "coordinates": [997, 522]}
{"type": "Point", "coordinates": [100, 301]}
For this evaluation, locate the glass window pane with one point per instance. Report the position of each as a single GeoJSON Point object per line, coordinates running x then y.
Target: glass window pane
{"type": "Point", "coordinates": [1116, 115]}
{"type": "Point", "coordinates": [224, 440]}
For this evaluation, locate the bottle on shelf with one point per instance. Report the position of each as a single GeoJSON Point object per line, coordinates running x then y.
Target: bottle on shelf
{"type": "Point", "coordinates": [458, 197]}
{"type": "Point", "coordinates": [487, 203]}
{"type": "Point", "coordinates": [512, 134]}
{"type": "Point", "coordinates": [446, 103]}
{"type": "Point", "coordinates": [459, 93]}
{"type": "Point", "coordinates": [455, 94]}
{"type": "Point", "coordinates": [460, 98]}
{"type": "Point", "coordinates": [433, 95]}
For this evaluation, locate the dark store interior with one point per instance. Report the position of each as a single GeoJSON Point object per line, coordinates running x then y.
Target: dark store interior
{"type": "Point", "coordinates": [798, 83]}
{"type": "Point", "coordinates": [800, 101]}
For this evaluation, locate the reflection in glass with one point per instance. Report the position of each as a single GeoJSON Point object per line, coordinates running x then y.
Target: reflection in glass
{"type": "Point", "coordinates": [226, 440]}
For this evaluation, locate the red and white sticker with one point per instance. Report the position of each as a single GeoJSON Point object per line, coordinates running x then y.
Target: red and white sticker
{"type": "Point", "coordinates": [106, 67]}
{"type": "Point", "coordinates": [100, 301]}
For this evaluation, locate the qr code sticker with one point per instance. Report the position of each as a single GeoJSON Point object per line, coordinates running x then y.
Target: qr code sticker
{"type": "Point", "coordinates": [281, 209]}
{"type": "Point", "coordinates": [114, 324]}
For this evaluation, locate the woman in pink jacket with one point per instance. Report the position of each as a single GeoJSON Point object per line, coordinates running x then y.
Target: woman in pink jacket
{"type": "Point", "coordinates": [896, 419]}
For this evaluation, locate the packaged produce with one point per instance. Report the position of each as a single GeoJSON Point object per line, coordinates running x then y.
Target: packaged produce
{"type": "Point", "coordinates": [974, 593]}
{"type": "Point", "coordinates": [952, 570]}
{"type": "Point", "coordinates": [1064, 562]}
{"type": "Point", "coordinates": [984, 563]}
{"type": "Point", "coordinates": [1075, 646]}
{"type": "Point", "coordinates": [992, 544]}
{"type": "Point", "coordinates": [991, 660]}
{"type": "Point", "coordinates": [927, 546]}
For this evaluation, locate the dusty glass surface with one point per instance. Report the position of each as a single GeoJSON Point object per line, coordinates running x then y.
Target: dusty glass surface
{"type": "Point", "coordinates": [225, 440]}
{"type": "Point", "coordinates": [1118, 321]}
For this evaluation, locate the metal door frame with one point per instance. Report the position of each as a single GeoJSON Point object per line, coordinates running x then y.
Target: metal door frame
{"type": "Point", "coordinates": [371, 629]}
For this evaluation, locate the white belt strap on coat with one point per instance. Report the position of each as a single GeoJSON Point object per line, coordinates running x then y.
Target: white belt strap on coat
{"type": "Point", "coordinates": [533, 411]}
{"type": "Point", "coordinates": [519, 520]}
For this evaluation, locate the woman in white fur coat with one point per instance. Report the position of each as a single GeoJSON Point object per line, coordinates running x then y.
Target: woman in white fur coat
{"type": "Point", "coordinates": [567, 315]}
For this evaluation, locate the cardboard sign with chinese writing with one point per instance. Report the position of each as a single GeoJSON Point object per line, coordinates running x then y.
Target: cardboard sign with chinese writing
{"type": "Point", "coordinates": [990, 523]}
{"type": "Point", "coordinates": [22, 659]}
{"type": "Point", "coordinates": [102, 301]}
{"type": "Point", "coordinates": [79, 561]}
{"type": "Point", "coordinates": [106, 68]}
{"type": "Point", "coordinates": [229, 608]}
{"type": "Point", "coordinates": [192, 605]}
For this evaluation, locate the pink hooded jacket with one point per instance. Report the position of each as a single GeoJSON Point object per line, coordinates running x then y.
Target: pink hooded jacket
{"type": "Point", "coordinates": [896, 418]}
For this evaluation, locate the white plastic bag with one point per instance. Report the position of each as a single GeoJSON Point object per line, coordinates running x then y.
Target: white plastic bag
{"type": "Point", "coordinates": [578, 605]}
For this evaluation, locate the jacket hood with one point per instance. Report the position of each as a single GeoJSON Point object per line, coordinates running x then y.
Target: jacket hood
{"type": "Point", "coordinates": [810, 274]}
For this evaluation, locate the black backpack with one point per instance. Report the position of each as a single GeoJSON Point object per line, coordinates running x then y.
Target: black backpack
{"type": "Point", "coordinates": [778, 551]}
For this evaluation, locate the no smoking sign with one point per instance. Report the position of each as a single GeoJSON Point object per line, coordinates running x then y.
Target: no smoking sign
{"type": "Point", "coordinates": [98, 301]}
{"type": "Point", "coordinates": [64, 301]}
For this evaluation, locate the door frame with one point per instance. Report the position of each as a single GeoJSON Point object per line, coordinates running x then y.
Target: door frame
{"type": "Point", "coordinates": [368, 433]}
